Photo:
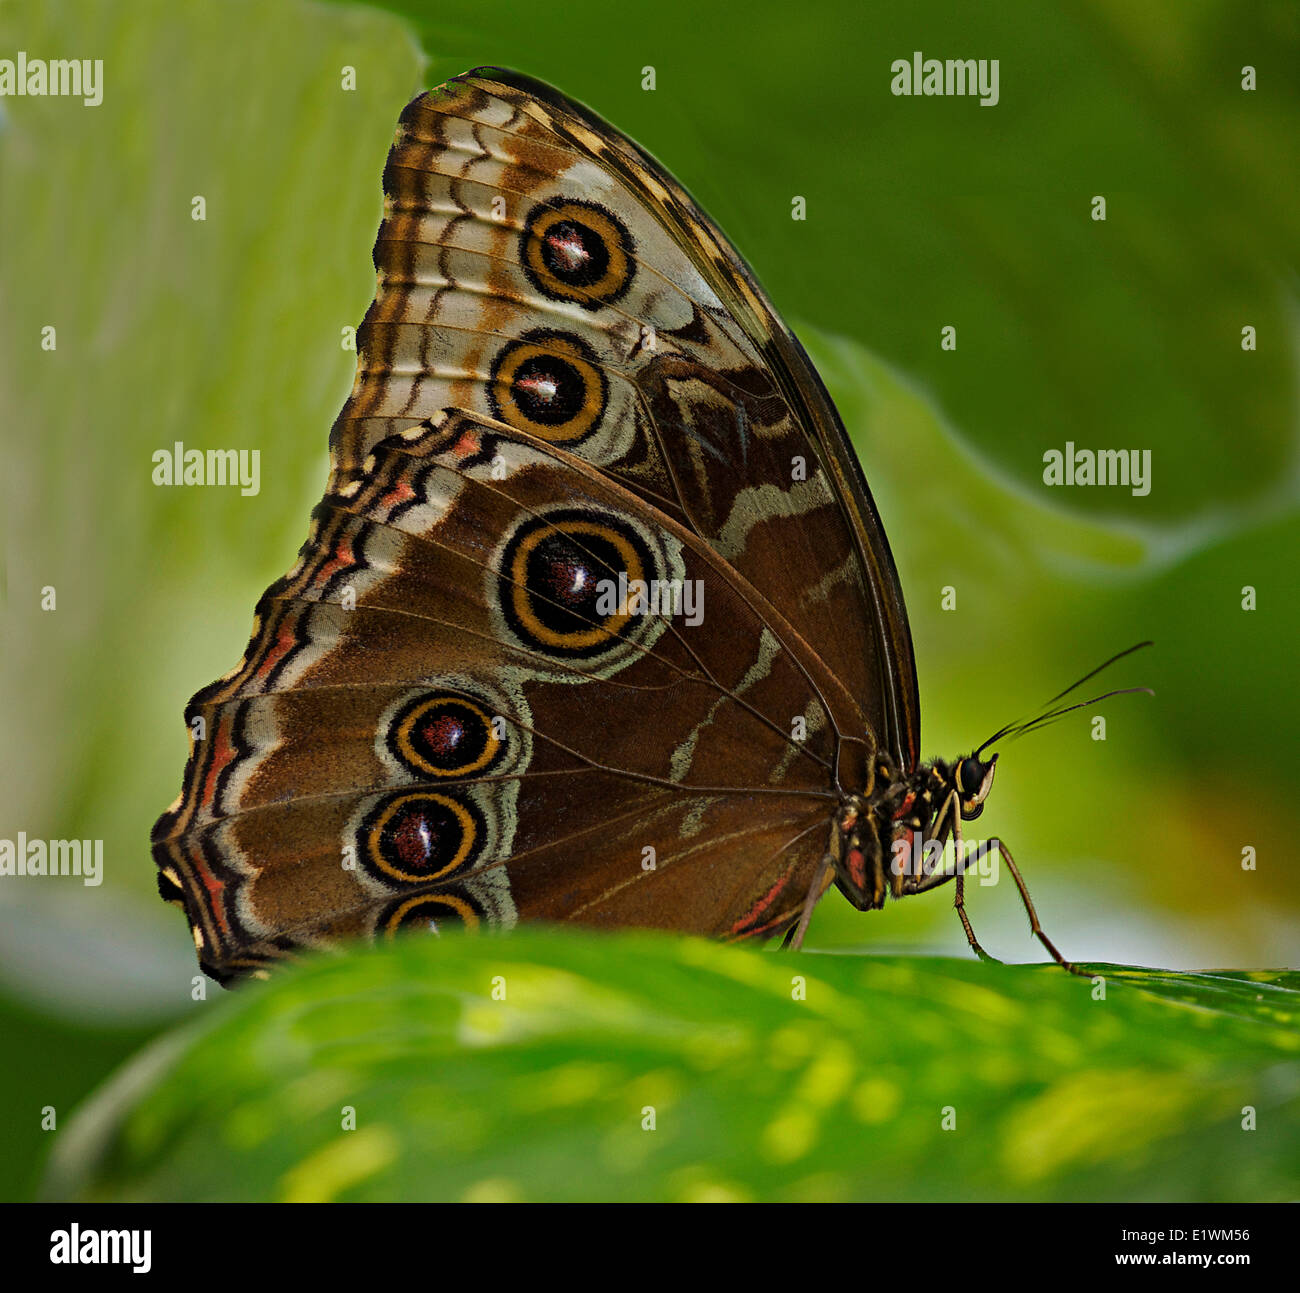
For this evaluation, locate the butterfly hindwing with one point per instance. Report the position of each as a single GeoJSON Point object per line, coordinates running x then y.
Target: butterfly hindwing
{"type": "Point", "coordinates": [424, 713]}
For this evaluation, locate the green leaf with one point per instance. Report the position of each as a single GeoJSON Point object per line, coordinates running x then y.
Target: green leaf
{"type": "Point", "coordinates": [769, 1075]}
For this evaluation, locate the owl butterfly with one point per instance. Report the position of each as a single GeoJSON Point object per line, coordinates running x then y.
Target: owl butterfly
{"type": "Point", "coordinates": [596, 621]}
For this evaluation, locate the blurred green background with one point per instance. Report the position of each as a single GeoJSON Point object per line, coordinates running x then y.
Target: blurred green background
{"type": "Point", "coordinates": [921, 213]}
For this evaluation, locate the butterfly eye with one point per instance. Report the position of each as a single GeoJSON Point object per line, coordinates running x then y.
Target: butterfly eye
{"type": "Point", "coordinates": [974, 778]}
{"type": "Point", "coordinates": [970, 777]}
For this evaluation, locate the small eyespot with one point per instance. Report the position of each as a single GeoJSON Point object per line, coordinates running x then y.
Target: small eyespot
{"type": "Point", "coordinates": [577, 251]}
{"type": "Point", "coordinates": [444, 735]}
{"type": "Point", "coordinates": [429, 914]}
{"type": "Point", "coordinates": [549, 384]}
{"type": "Point", "coordinates": [413, 838]}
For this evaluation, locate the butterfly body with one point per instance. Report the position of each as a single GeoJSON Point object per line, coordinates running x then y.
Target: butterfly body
{"type": "Point", "coordinates": [596, 621]}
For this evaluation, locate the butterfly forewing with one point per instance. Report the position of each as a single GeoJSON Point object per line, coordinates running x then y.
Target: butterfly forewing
{"type": "Point", "coordinates": [520, 228]}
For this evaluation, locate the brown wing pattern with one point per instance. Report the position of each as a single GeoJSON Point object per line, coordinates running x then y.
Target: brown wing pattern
{"type": "Point", "coordinates": [482, 694]}
{"type": "Point", "coordinates": [710, 407]}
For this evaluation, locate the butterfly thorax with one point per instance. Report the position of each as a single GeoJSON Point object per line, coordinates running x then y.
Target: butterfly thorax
{"type": "Point", "coordinates": [879, 838]}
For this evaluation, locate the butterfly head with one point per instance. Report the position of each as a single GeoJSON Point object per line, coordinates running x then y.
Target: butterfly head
{"type": "Point", "coordinates": [972, 780]}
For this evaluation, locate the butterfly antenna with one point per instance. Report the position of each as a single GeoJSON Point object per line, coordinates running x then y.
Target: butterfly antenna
{"type": "Point", "coordinates": [1097, 670]}
{"type": "Point", "coordinates": [1042, 721]}
{"type": "Point", "coordinates": [1047, 715]}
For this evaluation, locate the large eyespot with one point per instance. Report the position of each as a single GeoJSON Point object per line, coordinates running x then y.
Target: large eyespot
{"type": "Point", "coordinates": [550, 385]}
{"type": "Point", "coordinates": [577, 251]}
{"type": "Point", "coordinates": [444, 735]}
{"type": "Point", "coordinates": [560, 584]}
{"type": "Point", "coordinates": [413, 838]}
{"type": "Point", "coordinates": [427, 913]}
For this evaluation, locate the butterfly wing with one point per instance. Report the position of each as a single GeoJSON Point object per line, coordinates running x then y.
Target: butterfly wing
{"type": "Point", "coordinates": [427, 725]}
{"type": "Point", "coordinates": [566, 378]}
{"type": "Point", "coordinates": [525, 237]}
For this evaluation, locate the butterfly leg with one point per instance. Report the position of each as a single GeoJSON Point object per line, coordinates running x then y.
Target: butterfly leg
{"type": "Point", "coordinates": [959, 898]}
{"type": "Point", "coordinates": [951, 816]}
{"type": "Point", "coordinates": [949, 819]}
{"type": "Point", "coordinates": [1034, 926]}
{"type": "Point", "coordinates": [794, 939]}
{"type": "Point", "coordinates": [959, 905]}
